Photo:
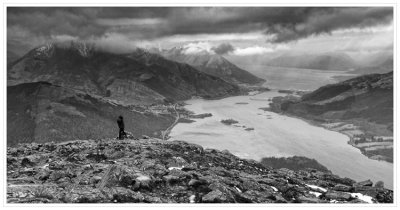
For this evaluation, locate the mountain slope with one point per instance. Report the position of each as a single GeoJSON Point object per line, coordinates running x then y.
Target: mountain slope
{"type": "Point", "coordinates": [118, 77]}
{"type": "Point", "coordinates": [43, 112]}
{"type": "Point", "coordinates": [368, 97]}
{"type": "Point", "coordinates": [327, 61]}
{"type": "Point", "coordinates": [157, 171]}
{"type": "Point", "coordinates": [384, 67]}
{"type": "Point", "coordinates": [11, 57]}
{"type": "Point", "coordinates": [212, 64]}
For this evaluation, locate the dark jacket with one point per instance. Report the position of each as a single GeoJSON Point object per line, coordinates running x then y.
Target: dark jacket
{"type": "Point", "coordinates": [120, 122]}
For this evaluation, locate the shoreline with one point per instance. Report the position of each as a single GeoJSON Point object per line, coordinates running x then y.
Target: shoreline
{"type": "Point", "coordinates": [319, 124]}
{"type": "Point", "coordinates": [309, 121]}
{"type": "Point", "coordinates": [344, 139]}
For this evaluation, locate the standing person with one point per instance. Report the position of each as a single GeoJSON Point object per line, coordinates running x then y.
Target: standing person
{"type": "Point", "coordinates": [121, 126]}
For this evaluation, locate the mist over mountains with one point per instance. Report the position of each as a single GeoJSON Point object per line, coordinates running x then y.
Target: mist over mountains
{"type": "Point", "coordinates": [129, 78]}
{"type": "Point", "coordinates": [325, 61]}
{"type": "Point", "coordinates": [210, 63]}
{"type": "Point", "coordinates": [62, 91]}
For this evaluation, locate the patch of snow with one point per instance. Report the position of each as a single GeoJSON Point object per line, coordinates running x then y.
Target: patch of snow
{"type": "Point", "coordinates": [274, 188]}
{"type": "Point", "coordinates": [191, 198]}
{"type": "Point", "coordinates": [177, 168]}
{"type": "Point", "coordinates": [362, 197]}
{"type": "Point", "coordinates": [44, 50]}
{"type": "Point", "coordinates": [317, 194]}
{"type": "Point", "coordinates": [143, 178]}
{"type": "Point", "coordinates": [333, 201]}
{"type": "Point", "coordinates": [238, 189]}
{"type": "Point", "coordinates": [316, 187]}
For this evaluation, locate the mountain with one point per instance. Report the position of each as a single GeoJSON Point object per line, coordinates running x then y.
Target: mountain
{"type": "Point", "coordinates": [384, 67]}
{"type": "Point", "coordinates": [212, 64]}
{"type": "Point", "coordinates": [368, 97]}
{"type": "Point", "coordinates": [42, 112]}
{"type": "Point", "coordinates": [157, 171]}
{"type": "Point", "coordinates": [327, 61]}
{"type": "Point", "coordinates": [11, 57]}
{"type": "Point", "coordinates": [125, 79]}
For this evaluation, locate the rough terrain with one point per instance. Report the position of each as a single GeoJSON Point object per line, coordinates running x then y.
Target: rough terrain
{"type": "Point", "coordinates": [156, 171]}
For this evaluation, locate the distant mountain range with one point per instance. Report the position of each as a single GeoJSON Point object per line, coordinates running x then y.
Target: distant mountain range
{"type": "Point", "coordinates": [42, 112]}
{"type": "Point", "coordinates": [212, 64]}
{"type": "Point", "coordinates": [384, 67]}
{"type": "Point", "coordinates": [327, 61]}
{"type": "Point", "coordinates": [136, 78]}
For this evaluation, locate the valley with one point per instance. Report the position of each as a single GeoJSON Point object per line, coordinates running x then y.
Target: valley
{"type": "Point", "coordinates": [199, 104]}
{"type": "Point", "coordinates": [275, 135]}
{"type": "Point", "coordinates": [361, 108]}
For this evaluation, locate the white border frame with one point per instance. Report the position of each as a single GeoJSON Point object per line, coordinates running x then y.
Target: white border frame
{"type": "Point", "coordinates": [197, 3]}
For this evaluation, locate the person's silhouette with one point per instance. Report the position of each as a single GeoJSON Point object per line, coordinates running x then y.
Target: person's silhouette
{"type": "Point", "coordinates": [121, 126]}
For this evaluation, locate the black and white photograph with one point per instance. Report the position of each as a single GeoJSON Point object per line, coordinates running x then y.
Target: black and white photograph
{"type": "Point", "coordinates": [196, 104]}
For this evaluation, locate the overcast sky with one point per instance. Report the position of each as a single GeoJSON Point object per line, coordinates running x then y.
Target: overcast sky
{"type": "Point", "coordinates": [245, 31]}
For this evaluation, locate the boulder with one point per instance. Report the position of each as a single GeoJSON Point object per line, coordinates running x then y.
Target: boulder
{"type": "Point", "coordinates": [95, 179]}
{"type": "Point", "coordinates": [144, 180]}
{"type": "Point", "coordinates": [366, 190]}
{"type": "Point", "coordinates": [336, 195]}
{"type": "Point", "coordinates": [196, 182]}
{"type": "Point", "coordinates": [364, 183]}
{"type": "Point", "coordinates": [170, 179]}
{"type": "Point", "coordinates": [304, 199]}
{"type": "Point", "coordinates": [343, 188]}
{"type": "Point", "coordinates": [43, 175]}
{"type": "Point", "coordinates": [215, 196]}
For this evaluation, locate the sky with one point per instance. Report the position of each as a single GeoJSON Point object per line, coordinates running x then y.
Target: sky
{"type": "Point", "coordinates": [236, 32]}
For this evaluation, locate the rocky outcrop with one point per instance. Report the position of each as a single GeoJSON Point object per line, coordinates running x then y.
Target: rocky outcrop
{"type": "Point", "coordinates": [156, 171]}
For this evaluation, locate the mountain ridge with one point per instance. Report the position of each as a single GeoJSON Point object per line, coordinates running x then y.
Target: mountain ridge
{"type": "Point", "coordinates": [212, 64]}
{"type": "Point", "coordinates": [119, 77]}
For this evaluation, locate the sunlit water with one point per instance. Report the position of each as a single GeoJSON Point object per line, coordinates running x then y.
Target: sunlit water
{"type": "Point", "coordinates": [276, 135]}
{"type": "Point", "coordinates": [294, 78]}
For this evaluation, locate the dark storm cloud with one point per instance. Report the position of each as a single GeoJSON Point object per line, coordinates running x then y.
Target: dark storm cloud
{"type": "Point", "coordinates": [284, 23]}
{"type": "Point", "coordinates": [56, 21]}
{"type": "Point", "coordinates": [223, 48]}
{"type": "Point", "coordinates": [327, 20]}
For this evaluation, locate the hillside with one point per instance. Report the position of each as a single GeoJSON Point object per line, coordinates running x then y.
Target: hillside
{"type": "Point", "coordinates": [156, 171]}
{"type": "Point", "coordinates": [369, 97]}
{"type": "Point", "coordinates": [213, 64]}
{"type": "Point", "coordinates": [327, 61]}
{"type": "Point", "coordinates": [293, 163]}
{"type": "Point", "coordinates": [43, 112]}
{"type": "Point", "coordinates": [11, 57]}
{"type": "Point", "coordinates": [361, 108]}
{"type": "Point", "coordinates": [125, 79]}
{"type": "Point", "coordinates": [384, 67]}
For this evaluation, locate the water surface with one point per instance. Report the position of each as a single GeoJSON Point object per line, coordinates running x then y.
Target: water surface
{"type": "Point", "coordinates": [276, 135]}
{"type": "Point", "coordinates": [295, 78]}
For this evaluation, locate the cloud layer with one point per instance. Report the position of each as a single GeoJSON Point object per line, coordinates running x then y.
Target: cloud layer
{"type": "Point", "coordinates": [223, 48]}
{"type": "Point", "coordinates": [34, 25]}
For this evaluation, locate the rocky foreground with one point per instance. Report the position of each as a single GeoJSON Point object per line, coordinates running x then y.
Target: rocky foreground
{"type": "Point", "coordinates": [156, 171]}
